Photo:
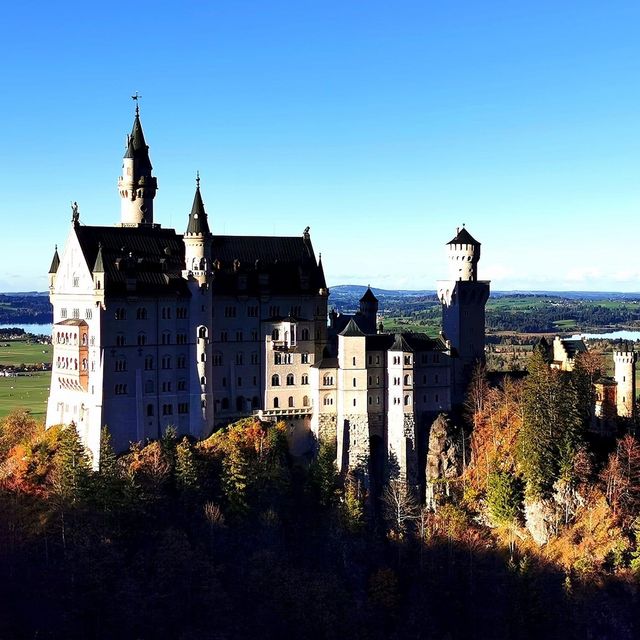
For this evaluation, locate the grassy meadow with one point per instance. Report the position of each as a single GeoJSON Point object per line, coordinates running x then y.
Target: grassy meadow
{"type": "Point", "coordinates": [28, 391]}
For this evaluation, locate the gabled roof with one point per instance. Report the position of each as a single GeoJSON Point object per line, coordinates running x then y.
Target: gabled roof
{"type": "Point", "coordinates": [137, 147]}
{"type": "Point", "coordinates": [252, 265]}
{"type": "Point", "coordinates": [152, 257]}
{"type": "Point", "coordinates": [400, 344]}
{"type": "Point", "coordinates": [55, 261]}
{"type": "Point", "coordinates": [574, 347]}
{"type": "Point", "coordinates": [463, 237]}
{"type": "Point", "coordinates": [368, 296]}
{"type": "Point", "coordinates": [351, 330]}
{"type": "Point", "coordinates": [198, 223]}
{"type": "Point", "coordinates": [405, 341]}
{"type": "Point", "coordinates": [326, 363]}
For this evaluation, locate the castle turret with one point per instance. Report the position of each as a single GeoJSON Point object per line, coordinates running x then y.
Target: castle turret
{"type": "Point", "coordinates": [625, 375]}
{"type": "Point", "coordinates": [463, 298]}
{"type": "Point", "coordinates": [197, 272]}
{"type": "Point", "coordinates": [463, 255]}
{"type": "Point", "coordinates": [197, 239]}
{"type": "Point", "coordinates": [353, 416]}
{"type": "Point", "coordinates": [369, 311]}
{"type": "Point", "coordinates": [53, 269]}
{"type": "Point", "coordinates": [136, 184]}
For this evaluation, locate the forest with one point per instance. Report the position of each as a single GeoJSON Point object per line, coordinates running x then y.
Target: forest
{"type": "Point", "coordinates": [531, 532]}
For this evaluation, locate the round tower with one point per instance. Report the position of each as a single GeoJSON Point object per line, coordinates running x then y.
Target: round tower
{"type": "Point", "coordinates": [625, 375]}
{"type": "Point", "coordinates": [197, 273]}
{"type": "Point", "coordinates": [369, 310]}
{"type": "Point", "coordinates": [136, 185]}
{"type": "Point", "coordinates": [463, 254]}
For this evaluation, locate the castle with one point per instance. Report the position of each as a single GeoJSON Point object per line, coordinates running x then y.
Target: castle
{"type": "Point", "coordinates": [153, 328]}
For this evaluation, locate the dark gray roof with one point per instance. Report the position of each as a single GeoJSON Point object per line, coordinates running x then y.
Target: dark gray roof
{"type": "Point", "coordinates": [351, 330]}
{"type": "Point", "coordinates": [151, 256]}
{"type": "Point", "coordinates": [574, 347]}
{"type": "Point", "coordinates": [400, 344]}
{"type": "Point", "coordinates": [55, 261]}
{"type": "Point", "coordinates": [407, 342]}
{"type": "Point", "coordinates": [256, 265]}
{"type": "Point", "coordinates": [137, 147]}
{"type": "Point", "coordinates": [463, 237]}
{"type": "Point", "coordinates": [198, 223]}
{"type": "Point", "coordinates": [326, 363]}
{"type": "Point", "coordinates": [368, 296]}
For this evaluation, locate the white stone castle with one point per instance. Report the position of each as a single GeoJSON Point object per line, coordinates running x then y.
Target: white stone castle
{"type": "Point", "coordinates": [153, 328]}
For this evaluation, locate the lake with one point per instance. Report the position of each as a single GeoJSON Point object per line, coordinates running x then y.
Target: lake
{"type": "Point", "coordinates": [631, 336]}
{"type": "Point", "coordinates": [44, 329]}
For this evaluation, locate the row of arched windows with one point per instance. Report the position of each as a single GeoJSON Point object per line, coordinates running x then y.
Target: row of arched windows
{"type": "Point", "coordinates": [290, 402]}
{"type": "Point", "coordinates": [290, 379]}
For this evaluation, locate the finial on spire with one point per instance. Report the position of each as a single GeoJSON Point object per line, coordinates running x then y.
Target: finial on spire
{"type": "Point", "coordinates": [136, 96]}
{"type": "Point", "coordinates": [75, 214]}
{"type": "Point", "coordinates": [197, 179]}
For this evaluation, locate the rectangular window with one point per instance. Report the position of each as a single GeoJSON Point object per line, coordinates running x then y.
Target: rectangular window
{"type": "Point", "coordinates": [88, 314]}
{"type": "Point", "coordinates": [63, 313]}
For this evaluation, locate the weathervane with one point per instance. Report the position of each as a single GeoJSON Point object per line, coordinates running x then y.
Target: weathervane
{"type": "Point", "coordinates": [197, 179]}
{"type": "Point", "coordinates": [137, 97]}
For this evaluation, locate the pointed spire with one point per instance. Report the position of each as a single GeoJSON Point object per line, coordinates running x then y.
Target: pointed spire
{"type": "Point", "coordinates": [351, 330]}
{"type": "Point", "coordinates": [98, 267]}
{"type": "Point", "coordinates": [322, 284]}
{"type": "Point", "coordinates": [198, 223]}
{"type": "Point", "coordinates": [55, 262]}
{"type": "Point", "coordinates": [137, 147]}
{"type": "Point", "coordinates": [369, 295]}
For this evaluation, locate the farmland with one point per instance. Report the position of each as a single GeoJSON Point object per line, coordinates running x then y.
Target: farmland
{"type": "Point", "coordinates": [27, 390]}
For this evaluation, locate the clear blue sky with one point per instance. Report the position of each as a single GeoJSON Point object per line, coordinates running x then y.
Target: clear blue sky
{"type": "Point", "coordinates": [381, 125]}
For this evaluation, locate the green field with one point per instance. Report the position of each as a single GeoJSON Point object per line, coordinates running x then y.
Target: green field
{"type": "Point", "coordinates": [22, 352]}
{"type": "Point", "coordinates": [25, 392]}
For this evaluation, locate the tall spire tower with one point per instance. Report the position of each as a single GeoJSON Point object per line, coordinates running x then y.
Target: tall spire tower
{"type": "Point", "coordinates": [136, 184]}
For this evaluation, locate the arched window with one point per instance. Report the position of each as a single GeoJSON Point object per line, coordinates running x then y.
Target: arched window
{"type": "Point", "coordinates": [255, 402]}
{"type": "Point", "coordinates": [275, 334]}
{"type": "Point", "coordinates": [290, 379]}
{"type": "Point", "coordinates": [407, 400]}
{"type": "Point", "coordinates": [407, 380]}
{"type": "Point", "coordinates": [225, 403]}
{"type": "Point", "coordinates": [276, 403]}
{"type": "Point", "coordinates": [202, 332]}
{"type": "Point", "coordinates": [239, 403]}
{"type": "Point", "coordinates": [305, 401]}
{"type": "Point", "coordinates": [149, 411]}
{"type": "Point", "coordinates": [304, 334]}
{"type": "Point", "coordinates": [275, 380]}
{"type": "Point", "coordinates": [291, 401]}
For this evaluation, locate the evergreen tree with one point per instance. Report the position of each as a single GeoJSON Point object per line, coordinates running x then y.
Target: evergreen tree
{"type": "Point", "coordinates": [72, 471]}
{"type": "Point", "coordinates": [503, 497]}
{"type": "Point", "coordinates": [551, 428]}
{"type": "Point", "coordinates": [323, 475]}
{"type": "Point", "coordinates": [186, 471]}
{"type": "Point", "coordinates": [109, 481]}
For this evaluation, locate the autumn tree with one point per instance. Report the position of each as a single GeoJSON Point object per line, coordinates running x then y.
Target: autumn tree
{"type": "Point", "coordinates": [621, 477]}
{"type": "Point", "coordinates": [400, 506]}
{"type": "Point", "coordinates": [16, 428]}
